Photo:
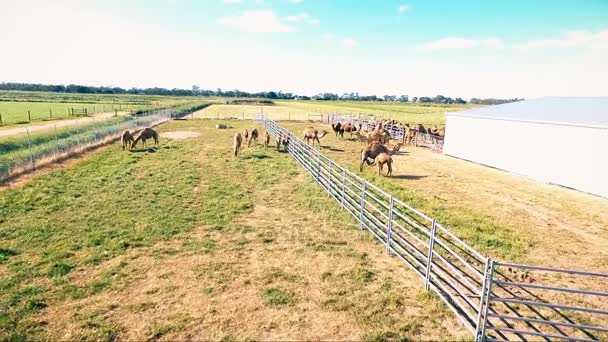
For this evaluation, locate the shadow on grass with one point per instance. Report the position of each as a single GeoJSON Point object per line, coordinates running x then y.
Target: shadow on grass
{"type": "Point", "coordinates": [336, 149]}
{"type": "Point", "coordinates": [140, 150]}
{"type": "Point", "coordinates": [258, 156]}
{"type": "Point", "coordinates": [412, 177]}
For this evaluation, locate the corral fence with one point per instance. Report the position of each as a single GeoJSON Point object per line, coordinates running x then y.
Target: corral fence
{"type": "Point", "coordinates": [398, 133]}
{"type": "Point", "coordinates": [27, 151]}
{"type": "Point", "coordinates": [495, 301]}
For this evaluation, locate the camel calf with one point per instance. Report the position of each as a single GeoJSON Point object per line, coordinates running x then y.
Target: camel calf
{"type": "Point", "coordinates": [384, 158]}
{"type": "Point", "coordinates": [282, 139]}
{"type": "Point", "coordinates": [266, 140]}
{"type": "Point", "coordinates": [126, 139]}
{"type": "Point", "coordinates": [237, 141]}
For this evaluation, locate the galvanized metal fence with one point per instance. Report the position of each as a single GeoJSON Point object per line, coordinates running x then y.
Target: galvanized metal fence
{"type": "Point", "coordinates": [396, 132]}
{"type": "Point", "coordinates": [27, 152]}
{"type": "Point", "coordinates": [473, 286]}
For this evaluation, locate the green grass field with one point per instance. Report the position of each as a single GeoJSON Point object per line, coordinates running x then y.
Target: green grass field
{"type": "Point", "coordinates": [187, 240]}
{"type": "Point", "coordinates": [430, 114]}
{"type": "Point", "coordinates": [14, 106]}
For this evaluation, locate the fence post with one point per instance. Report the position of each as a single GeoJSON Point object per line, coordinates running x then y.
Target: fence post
{"type": "Point", "coordinates": [389, 226]}
{"type": "Point", "coordinates": [51, 113]}
{"type": "Point", "coordinates": [1, 123]}
{"type": "Point", "coordinates": [29, 145]}
{"type": "Point", "coordinates": [56, 140]}
{"type": "Point", "coordinates": [482, 298]}
{"type": "Point", "coordinates": [362, 204]}
{"type": "Point", "coordinates": [481, 336]}
{"type": "Point", "coordinates": [429, 264]}
{"type": "Point", "coordinates": [343, 185]}
{"type": "Point", "coordinates": [29, 117]}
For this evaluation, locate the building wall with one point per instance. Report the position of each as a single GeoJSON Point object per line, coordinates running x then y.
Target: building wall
{"type": "Point", "coordinates": [571, 156]}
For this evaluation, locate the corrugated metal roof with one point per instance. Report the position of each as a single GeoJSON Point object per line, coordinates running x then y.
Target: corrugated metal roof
{"type": "Point", "coordinates": [576, 111]}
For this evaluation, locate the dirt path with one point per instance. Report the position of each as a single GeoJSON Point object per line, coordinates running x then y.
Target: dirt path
{"type": "Point", "coordinates": [45, 126]}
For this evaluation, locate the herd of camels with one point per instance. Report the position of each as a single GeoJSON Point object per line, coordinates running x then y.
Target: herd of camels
{"type": "Point", "coordinates": [375, 151]}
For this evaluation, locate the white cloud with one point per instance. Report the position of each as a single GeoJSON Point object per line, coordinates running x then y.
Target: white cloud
{"type": "Point", "coordinates": [328, 36]}
{"type": "Point", "coordinates": [297, 18]}
{"type": "Point", "coordinates": [232, 1]}
{"type": "Point", "coordinates": [569, 39]}
{"type": "Point", "coordinates": [404, 8]}
{"type": "Point", "coordinates": [261, 21]}
{"type": "Point", "coordinates": [315, 21]}
{"type": "Point", "coordinates": [461, 43]}
{"type": "Point", "coordinates": [296, 1]}
{"type": "Point", "coordinates": [349, 43]}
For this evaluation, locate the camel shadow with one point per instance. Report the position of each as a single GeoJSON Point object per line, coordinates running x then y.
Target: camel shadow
{"type": "Point", "coordinates": [335, 149]}
{"type": "Point", "coordinates": [410, 177]}
{"type": "Point", "coordinates": [258, 156]}
{"type": "Point", "coordinates": [140, 150]}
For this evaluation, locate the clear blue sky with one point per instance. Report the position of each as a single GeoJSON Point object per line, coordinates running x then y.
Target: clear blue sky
{"type": "Point", "coordinates": [457, 48]}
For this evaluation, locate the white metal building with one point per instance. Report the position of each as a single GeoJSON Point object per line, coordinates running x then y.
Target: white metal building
{"type": "Point", "coordinates": [559, 140]}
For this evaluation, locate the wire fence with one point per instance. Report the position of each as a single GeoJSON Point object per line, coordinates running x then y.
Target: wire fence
{"type": "Point", "coordinates": [484, 294]}
{"type": "Point", "coordinates": [26, 152]}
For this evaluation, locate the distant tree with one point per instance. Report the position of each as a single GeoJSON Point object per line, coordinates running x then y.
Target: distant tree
{"type": "Point", "coordinates": [414, 99]}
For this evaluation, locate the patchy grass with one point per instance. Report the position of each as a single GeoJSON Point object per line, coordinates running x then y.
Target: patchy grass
{"type": "Point", "coordinates": [276, 296]}
{"type": "Point", "coordinates": [189, 241]}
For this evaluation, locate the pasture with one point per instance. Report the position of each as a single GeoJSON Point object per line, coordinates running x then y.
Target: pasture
{"type": "Point", "coordinates": [187, 241]}
{"type": "Point", "coordinates": [505, 216]}
{"type": "Point", "coordinates": [427, 114]}
{"type": "Point", "coordinates": [14, 106]}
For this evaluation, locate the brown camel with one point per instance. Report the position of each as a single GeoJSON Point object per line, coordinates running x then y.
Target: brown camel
{"type": "Point", "coordinates": [310, 133]}
{"type": "Point", "coordinates": [373, 150]}
{"type": "Point", "coordinates": [126, 139]}
{"type": "Point", "coordinates": [246, 135]}
{"type": "Point", "coordinates": [266, 140]}
{"type": "Point", "coordinates": [144, 135]}
{"type": "Point", "coordinates": [362, 137]}
{"type": "Point", "coordinates": [384, 158]}
{"type": "Point", "coordinates": [421, 128]}
{"type": "Point", "coordinates": [237, 141]}
{"type": "Point", "coordinates": [409, 136]}
{"type": "Point", "coordinates": [378, 135]}
{"type": "Point", "coordinates": [253, 137]}
{"type": "Point", "coordinates": [338, 129]}
{"type": "Point", "coordinates": [282, 139]}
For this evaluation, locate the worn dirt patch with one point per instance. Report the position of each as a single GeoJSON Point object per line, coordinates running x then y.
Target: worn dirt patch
{"type": "Point", "coordinates": [179, 135]}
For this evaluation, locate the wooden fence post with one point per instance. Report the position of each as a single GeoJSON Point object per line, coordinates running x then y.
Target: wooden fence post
{"type": "Point", "coordinates": [389, 226]}
{"type": "Point", "coordinates": [51, 113]}
{"type": "Point", "coordinates": [1, 123]}
{"type": "Point", "coordinates": [29, 117]}
{"type": "Point", "coordinates": [56, 140]}
{"type": "Point", "coordinates": [429, 264]}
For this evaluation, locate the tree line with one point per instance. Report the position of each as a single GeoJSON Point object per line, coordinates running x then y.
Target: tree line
{"type": "Point", "coordinates": [273, 95]}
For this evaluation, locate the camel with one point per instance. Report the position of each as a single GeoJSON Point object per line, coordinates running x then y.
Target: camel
{"type": "Point", "coordinates": [378, 135]}
{"type": "Point", "coordinates": [373, 150]}
{"type": "Point", "coordinates": [246, 135]}
{"type": "Point", "coordinates": [144, 135]}
{"type": "Point", "coordinates": [338, 129]}
{"type": "Point", "coordinates": [237, 141]}
{"type": "Point", "coordinates": [266, 140]}
{"type": "Point", "coordinates": [420, 128]}
{"type": "Point", "coordinates": [126, 139]}
{"type": "Point", "coordinates": [384, 158]}
{"type": "Point", "coordinates": [362, 137]}
{"type": "Point", "coordinates": [310, 133]}
{"type": "Point", "coordinates": [409, 136]}
{"type": "Point", "coordinates": [282, 139]}
{"type": "Point", "coordinates": [253, 137]}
